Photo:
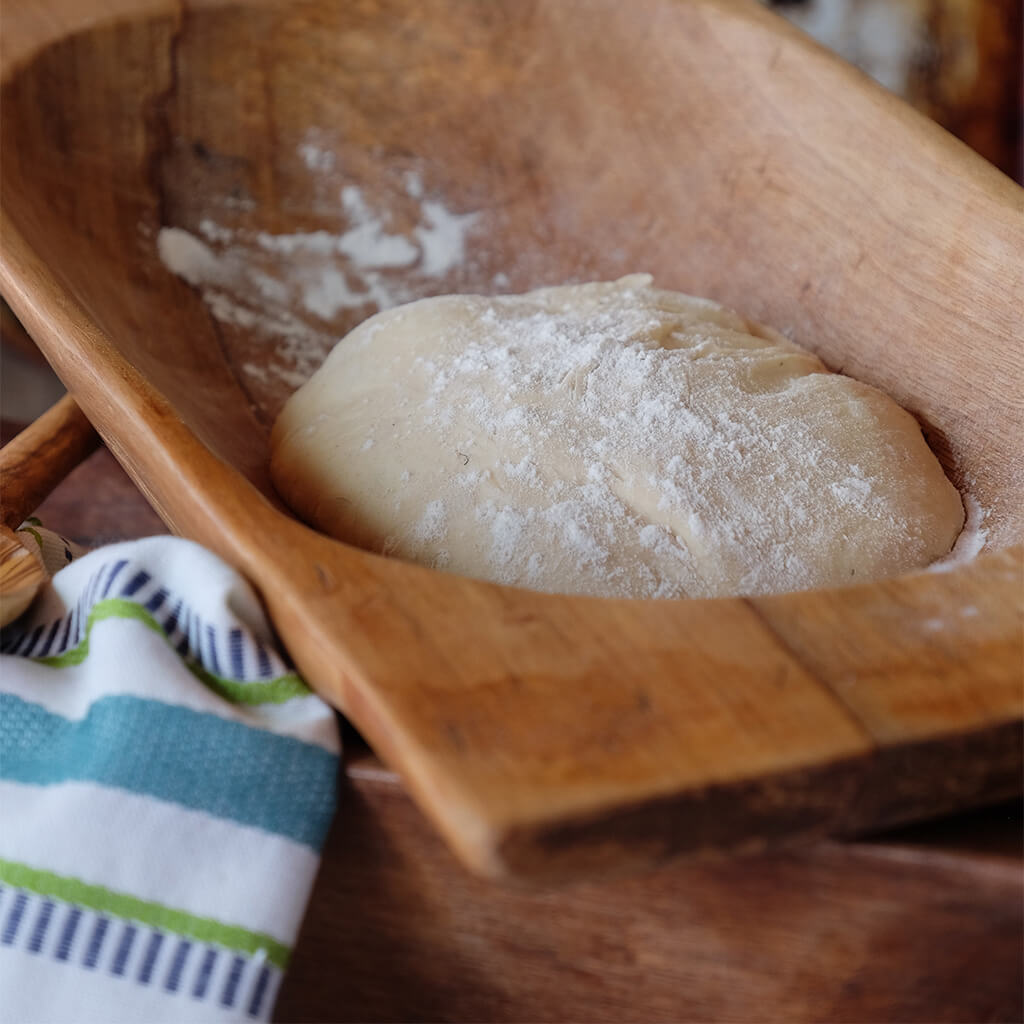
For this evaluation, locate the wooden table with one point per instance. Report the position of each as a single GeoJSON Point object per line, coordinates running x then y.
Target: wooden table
{"type": "Point", "coordinates": [923, 924]}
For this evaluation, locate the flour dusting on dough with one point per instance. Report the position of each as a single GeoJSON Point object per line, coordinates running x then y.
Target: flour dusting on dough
{"type": "Point", "coordinates": [611, 439]}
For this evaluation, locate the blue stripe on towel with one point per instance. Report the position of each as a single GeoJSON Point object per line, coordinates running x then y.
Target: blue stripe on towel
{"type": "Point", "coordinates": [258, 992]}
{"type": "Point", "coordinates": [123, 950]}
{"type": "Point", "coordinates": [33, 637]}
{"type": "Point", "coordinates": [156, 940]}
{"type": "Point", "coordinates": [263, 661]}
{"type": "Point", "coordinates": [92, 951]}
{"type": "Point", "coordinates": [42, 926]}
{"type": "Point", "coordinates": [171, 622]}
{"type": "Point", "coordinates": [173, 979]}
{"type": "Point", "coordinates": [65, 639]}
{"type": "Point", "coordinates": [236, 653]}
{"type": "Point", "coordinates": [214, 663]}
{"type": "Point", "coordinates": [14, 919]}
{"type": "Point", "coordinates": [227, 997]}
{"type": "Point", "coordinates": [48, 643]}
{"type": "Point", "coordinates": [225, 768]}
{"type": "Point", "coordinates": [113, 574]}
{"type": "Point", "coordinates": [182, 646]}
{"type": "Point", "coordinates": [68, 935]}
{"type": "Point", "coordinates": [135, 584]}
{"type": "Point", "coordinates": [205, 970]}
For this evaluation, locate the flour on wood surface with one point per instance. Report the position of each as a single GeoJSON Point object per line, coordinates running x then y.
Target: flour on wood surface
{"type": "Point", "coordinates": [286, 288]}
{"type": "Point", "coordinates": [971, 541]}
{"type": "Point", "coordinates": [610, 439]}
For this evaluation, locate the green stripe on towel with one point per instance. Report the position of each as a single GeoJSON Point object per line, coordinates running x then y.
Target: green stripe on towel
{"type": "Point", "coordinates": [227, 769]}
{"type": "Point", "coordinates": [271, 691]}
{"type": "Point", "coordinates": [155, 915]}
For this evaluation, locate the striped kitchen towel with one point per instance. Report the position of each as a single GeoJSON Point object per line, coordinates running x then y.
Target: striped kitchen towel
{"type": "Point", "coordinates": [166, 782]}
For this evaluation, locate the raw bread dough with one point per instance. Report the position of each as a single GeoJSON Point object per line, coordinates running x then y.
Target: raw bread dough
{"type": "Point", "coordinates": [609, 439]}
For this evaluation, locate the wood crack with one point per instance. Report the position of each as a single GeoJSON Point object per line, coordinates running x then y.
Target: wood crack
{"type": "Point", "coordinates": [861, 780]}
{"type": "Point", "coordinates": [790, 652]}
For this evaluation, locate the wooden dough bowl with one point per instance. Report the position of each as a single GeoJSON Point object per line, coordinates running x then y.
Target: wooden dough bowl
{"type": "Point", "coordinates": [707, 142]}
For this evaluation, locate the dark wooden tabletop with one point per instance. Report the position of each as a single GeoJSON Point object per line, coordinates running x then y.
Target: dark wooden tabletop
{"type": "Point", "coordinates": [922, 924]}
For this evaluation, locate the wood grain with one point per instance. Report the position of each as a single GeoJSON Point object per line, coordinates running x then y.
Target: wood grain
{"type": "Point", "coordinates": [895, 929]}
{"type": "Point", "coordinates": [31, 465]}
{"type": "Point", "coordinates": [96, 503]}
{"type": "Point", "coordinates": [41, 456]}
{"type": "Point", "coordinates": [547, 736]}
{"type": "Point", "coordinates": [21, 575]}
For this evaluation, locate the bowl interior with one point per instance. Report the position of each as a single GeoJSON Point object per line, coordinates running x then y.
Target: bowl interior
{"type": "Point", "coordinates": [230, 189]}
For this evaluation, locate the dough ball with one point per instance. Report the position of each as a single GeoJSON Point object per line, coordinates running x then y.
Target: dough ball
{"type": "Point", "coordinates": [609, 439]}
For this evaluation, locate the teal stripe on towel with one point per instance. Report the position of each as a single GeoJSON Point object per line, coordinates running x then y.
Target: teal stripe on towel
{"type": "Point", "coordinates": [198, 760]}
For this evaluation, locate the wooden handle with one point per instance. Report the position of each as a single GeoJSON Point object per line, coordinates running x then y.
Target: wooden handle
{"type": "Point", "coordinates": [21, 575]}
{"type": "Point", "coordinates": [35, 461]}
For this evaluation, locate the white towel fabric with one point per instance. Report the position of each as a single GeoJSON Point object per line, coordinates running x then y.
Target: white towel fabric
{"type": "Point", "coordinates": [166, 782]}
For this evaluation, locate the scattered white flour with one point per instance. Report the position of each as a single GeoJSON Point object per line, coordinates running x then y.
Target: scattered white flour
{"type": "Point", "coordinates": [213, 232]}
{"type": "Point", "coordinates": [288, 287]}
{"type": "Point", "coordinates": [433, 525]}
{"type": "Point", "coordinates": [971, 541]}
{"type": "Point", "coordinates": [442, 238]}
{"type": "Point", "coordinates": [316, 159]}
{"type": "Point", "coordinates": [414, 184]}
